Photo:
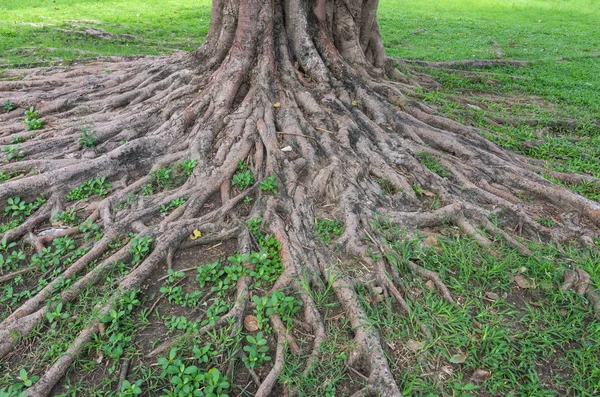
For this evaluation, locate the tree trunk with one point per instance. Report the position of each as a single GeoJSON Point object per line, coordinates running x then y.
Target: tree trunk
{"type": "Point", "coordinates": [310, 75]}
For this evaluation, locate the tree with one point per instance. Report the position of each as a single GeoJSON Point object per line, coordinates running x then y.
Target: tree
{"type": "Point", "coordinates": [310, 77]}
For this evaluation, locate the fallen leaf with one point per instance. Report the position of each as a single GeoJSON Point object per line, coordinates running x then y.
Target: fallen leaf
{"type": "Point", "coordinates": [286, 149]}
{"type": "Point", "coordinates": [99, 356]}
{"type": "Point", "coordinates": [458, 358]}
{"type": "Point", "coordinates": [492, 295]}
{"type": "Point", "coordinates": [432, 241]}
{"type": "Point", "coordinates": [479, 375]}
{"type": "Point", "coordinates": [277, 105]}
{"type": "Point", "coordinates": [428, 193]}
{"type": "Point", "coordinates": [522, 281]}
{"type": "Point", "coordinates": [196, 234]}
{"type": "Point", "coordinates": [414, 345]}
{"type": "Point", "coordinates": [250, 323]}
{"type": "Point", "coordinates": [430, 285]}
{"type": "Point", "coordinates": [378, 290]}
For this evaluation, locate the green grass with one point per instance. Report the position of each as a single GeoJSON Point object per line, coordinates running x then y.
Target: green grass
{"type": "Point", "coordinates": [540, 341]}
{"type": "Point", "coordinates": [29, 29]}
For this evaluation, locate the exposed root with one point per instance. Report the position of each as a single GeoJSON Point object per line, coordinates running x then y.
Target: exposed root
{"type": "Point", "coordinates": [580, 281]}
{"type": "Point", "coordinates": [319, 86]}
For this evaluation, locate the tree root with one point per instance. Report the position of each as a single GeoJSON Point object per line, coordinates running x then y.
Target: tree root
{"type": "Point", "coordinates": [355, 146]}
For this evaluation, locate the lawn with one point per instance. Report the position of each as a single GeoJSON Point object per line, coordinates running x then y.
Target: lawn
{"type": "Point", "coordinates": [513, 330]}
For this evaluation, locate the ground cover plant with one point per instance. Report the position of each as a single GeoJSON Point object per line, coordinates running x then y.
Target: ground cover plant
{"type": "Point", "coordinates": [273, 214]}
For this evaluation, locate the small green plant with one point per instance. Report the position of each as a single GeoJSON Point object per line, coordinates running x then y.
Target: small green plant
{"type": "Point", "coordinates": [8, 105]}
{"type": "Point", "coordinates": [88, 138]}
{"type": "Point", "coordinates": [67, 217]}
{"type": "Point", "coordinates": [96, 186]}
{"type": "Point", "coordinates": [130, 389]}
{"type": "Point", "coordinates": [20, 209]}
{"type": "Point", "coordinates": [276, 303]}
{"type": "Point", "coordinates": [56, 313]}
{"type": "Point", "coordinates": [417, 189]}
{"type": "Point", "coordinates": [169, 177]}
{"type": "Point", "coordinates": [178, 202]}
{"type": "Point", "coordinates": [269, 184]}
{"type": "Point", "coordinates": [27, 381]}
{"type": "Point", "coordinates": [191, 381]}
{"type": "Point", "coordinates": [13, 152]}
{"type": "Point", "coordinates": [5, 177]}
{"type": "Point", "coordinates": [187, 167]}
{"type": "Point", "coordinates": [140, 247]}
{"type": "Point", "coordinates": [429, 161]}
{"type": "Point", "coordinates": [90, 230]}
{"type": "Point", "coordinates": [243, 177]}
{"type": "Point", "coordinates": [327, 229]}
{"type": "Point", "coordinates": [32, 119]}
{"type": "Point", "coordinates": [256, 351]}
{"type": "Point", "coordinates": [17, 139]}
{"type": "Point", "coordinates": [546, 221]}
{"type": "Point", "coordinates": [387, 186]}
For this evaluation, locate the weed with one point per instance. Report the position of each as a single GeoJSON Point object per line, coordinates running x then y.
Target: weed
{"type": "Point", "coordinates": [96, 186]}
{"type": "Point", "coordinates": [32, 119]}
{"type": "Point", "coordinates": [8, 105]}
{"type": "Point", "coordinates": [243, 178]}
{"type": "Point", "coordinates": [17, 139]}
{"type": "Point", "coordinates": [187, 167]}
{"type": "Point", "coordinates": [67, 217]}
{"type": "Point", "coordinates": [178, 202]}
{"type": "Point", "coordinates": [13, 152]}
{"type": "Point", "coordinates": [5, 177]}
{"type": "Point", "coordinates": [130, 389]}
{"type": "Point", "coordinates": [167, 178]}
{"type": "Point", "coordinates": [88, 138]}
{"type": "Point", "coordinates": [90, 230]}
{"type": "Point", "coordinates": [276, 303]}
{"type": "Point", "coordinates": [328, 229]}
{"type": "Point", "coordinates": [546, 221]}
{"type": "Point", "coordinates": [187, 380]}
{"type": "Point", "coordinates": [429, 161]}
{"type": "Point", "coordinates": [140, 247]}
{"type": "Point", "coordinates": [56, 313]}
{"type": "Point", "coordinates": [20, 209]}
{"type": "Point", "coordinates": [256, 351]}
{"type": "Point", "coordinates": [387, 186]}
{"type": "Point", "coordinates": [269, 184]}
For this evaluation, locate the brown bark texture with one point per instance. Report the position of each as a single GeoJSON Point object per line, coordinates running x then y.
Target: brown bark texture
{"type": "Point", "coordinates": [310, 75]}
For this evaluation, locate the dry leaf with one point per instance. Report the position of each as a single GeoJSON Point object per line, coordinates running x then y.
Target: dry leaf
{"type": "Point", "coordinates": [277, 105]}
{"type": "Point", "coordinates": [427, 193]}
{"type": "Point", "coordinates": [479, 375]}
{"type": "Point", "coordinates": [286, 149]}
{"type": "Point", "coordinates": [430, 285]}
{"type": "Point", "coordinates": [522, 281]}
{"type": "Point", "coordinates": [458, 358]}
{"type": "Point", "coordinates": [414, 345]}
{"type": "Point", "coordinates": [100, 356]}
{"type": "Point", "coordinates": [492, 295]}
{"type": "Point", "coordinates": [432, 241]}
{"type": "Point", "coordinates": [250, 323]}
{"type": "Point", "coordinates": [196, 234]}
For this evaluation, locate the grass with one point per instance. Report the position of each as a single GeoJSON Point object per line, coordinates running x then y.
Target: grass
{"type": "Point", "coordinates": [537, 341]}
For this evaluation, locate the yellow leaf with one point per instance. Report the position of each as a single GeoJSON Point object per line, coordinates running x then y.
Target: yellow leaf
{"type": "Point", "coordinates": [277, 105]}
{"type": "Point", "coordinates": [196, 234]}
